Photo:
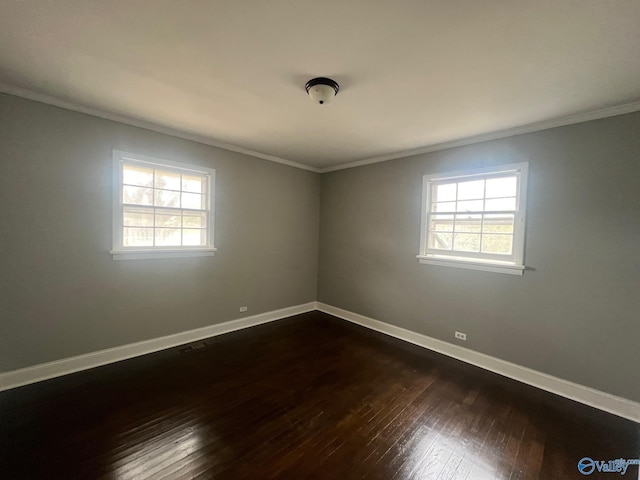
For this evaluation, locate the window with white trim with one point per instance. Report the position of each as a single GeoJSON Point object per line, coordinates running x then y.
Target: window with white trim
{"type": "Point", "coordinates": [161, 208]}
{"type": "Point", "coordinates": [475, 219]}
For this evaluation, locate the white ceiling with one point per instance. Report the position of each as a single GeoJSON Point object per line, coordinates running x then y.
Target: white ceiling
{"type": "Point", "coordinates": [413, 73]}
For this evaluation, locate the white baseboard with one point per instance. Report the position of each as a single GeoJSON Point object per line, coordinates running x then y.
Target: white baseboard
{"type": "Point", "coordinates": [44, 371]}
{"type": "Point", "coordinates": [588, 396]}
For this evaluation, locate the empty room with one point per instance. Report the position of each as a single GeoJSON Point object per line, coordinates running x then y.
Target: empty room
{"type": "Point", "coordinates": [320, 240]}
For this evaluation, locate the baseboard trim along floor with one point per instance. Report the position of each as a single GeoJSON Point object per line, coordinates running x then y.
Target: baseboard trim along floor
{"type": "Point", "coordinates": [604, 401]}
{"type": "Point", "coordinates": [589, 396]}
{"type": "Point", "coordinates": [45, 371]}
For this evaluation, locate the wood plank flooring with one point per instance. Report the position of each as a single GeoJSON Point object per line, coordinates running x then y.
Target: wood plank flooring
{"type": "Point", "coordinates": [309, 397]}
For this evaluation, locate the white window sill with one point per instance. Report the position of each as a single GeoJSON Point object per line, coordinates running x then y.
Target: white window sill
{"type": "Point", "coordinates": [142, 254]}
{"type": "Point", "coordinates": [487, 266]}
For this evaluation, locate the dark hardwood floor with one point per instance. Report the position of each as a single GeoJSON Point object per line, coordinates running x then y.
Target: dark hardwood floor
{"type": "Point", "coordinates": [310, 397]}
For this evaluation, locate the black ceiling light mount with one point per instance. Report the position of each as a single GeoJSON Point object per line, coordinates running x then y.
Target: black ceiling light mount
{"type": "Point", "coordinates": [322, 90]}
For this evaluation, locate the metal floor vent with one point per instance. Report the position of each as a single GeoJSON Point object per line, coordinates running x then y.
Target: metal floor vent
{"type": "Point", "coordinates": [193, 347]}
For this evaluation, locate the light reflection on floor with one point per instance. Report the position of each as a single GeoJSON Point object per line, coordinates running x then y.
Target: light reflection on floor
{"type": "Point", "coordinates": [442, 454]}
{"type": "Point", "coordinates": [157, 455]}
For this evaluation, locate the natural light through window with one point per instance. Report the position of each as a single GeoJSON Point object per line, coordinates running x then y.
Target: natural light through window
{"type": "Point", "coordinates": [475, 219]}
{"type": "Point", "coordinates": [161, 207]}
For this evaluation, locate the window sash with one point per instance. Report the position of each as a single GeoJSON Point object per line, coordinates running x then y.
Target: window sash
{"type": "Point", "coordinates": [120, 159]}
{"type": "Point", "coordinates": [155, 227]}
{"type": "Point", "coordinates": [430, 182]}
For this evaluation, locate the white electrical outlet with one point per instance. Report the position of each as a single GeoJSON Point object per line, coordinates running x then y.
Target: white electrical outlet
{"type": "Point", "coordinates": [243, 309]}
{"type": "Point", "coordinates": [461, 336]}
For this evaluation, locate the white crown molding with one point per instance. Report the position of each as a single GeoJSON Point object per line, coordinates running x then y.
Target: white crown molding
{"type": "Point", "coordinates": [611, 111]}
{"type": "Point", "coordinates": [45, 371]}
{"type": "Point", "coordinates": [96, 112]}
{"type": "Point", "coordinates": [594, 398]}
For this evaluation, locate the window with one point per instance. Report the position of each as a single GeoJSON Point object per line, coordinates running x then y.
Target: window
{"type": "Point", "coordinates": [161, 209]}
{"type": "Point", "coordinates": [475, 220]}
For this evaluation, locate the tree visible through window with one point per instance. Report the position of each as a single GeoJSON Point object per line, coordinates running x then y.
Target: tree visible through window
{"type": "Point", "coordinates": [161, 205]}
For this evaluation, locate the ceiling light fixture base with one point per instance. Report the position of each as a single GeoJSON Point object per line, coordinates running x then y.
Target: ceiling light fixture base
{"type": "Point", "coordinates": [322, 90]}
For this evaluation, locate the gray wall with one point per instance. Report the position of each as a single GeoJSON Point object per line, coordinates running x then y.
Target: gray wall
{"type": "Point", "coordinates": [575, 314]}
{"type": "Point", "coordinates": [61, 294]}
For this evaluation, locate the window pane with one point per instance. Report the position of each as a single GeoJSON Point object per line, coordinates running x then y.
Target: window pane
{"type": "Point", "coordinates": [501, 187]}
{"type": "Point", "coordinates": [132, 175]}
{"type": "Point", "coordinates": [441, 223]}
{"type": "Point", "coordinates": [168, 218]}
{"type": "Point", "coordinates": [137, 195]}
{"type": "Point", "coordinates": [466, 242]}
{"type": "Point", "coordinates": [137, 217]}
{"type": "Point", "coordinates": [468, 223]}
{"type": "Point", "coordinates": [471, 190]}
{"type": "Point", "coordinates": [440, 241]}
{"type": "Point", "coordinates": [168, 237]}
{"type": "Point", "coordinates": [470, 206]}
{"type": "Point", "coordinates": [193, 237]}
{"type": "Point", "coordinates": [444, 192]}
{"type": "Point", "coordinates": [137, 237]}
{"type": "Point", "coordinates": [498, 224]}
{"type": "Point", "coordinates": [193, 200]}
{"type": "Point", "coordinates": [494, 243]}
{"type": "Point", "coordinates": [195, 184]}
{"type": "Point", "coordinates": [196, 220]}
{"type": "Point", "coordinates": [444, 207]}
{"type": "Point", "coordinates": [167, 180]}
{"type": "Point", "coordinates": [496, 204]}
{"type": "Point", "coordinates": [164, 206]}
{"type": "Point", "coordinates": [167, 198]}
{"type": "Point", "coordinates": [483, 225]}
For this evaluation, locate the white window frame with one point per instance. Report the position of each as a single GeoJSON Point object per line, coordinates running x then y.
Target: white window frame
{"type": "Point", "coordinates": [513, 264]}
{"type": "Point", "coordinates": [121, 252]}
